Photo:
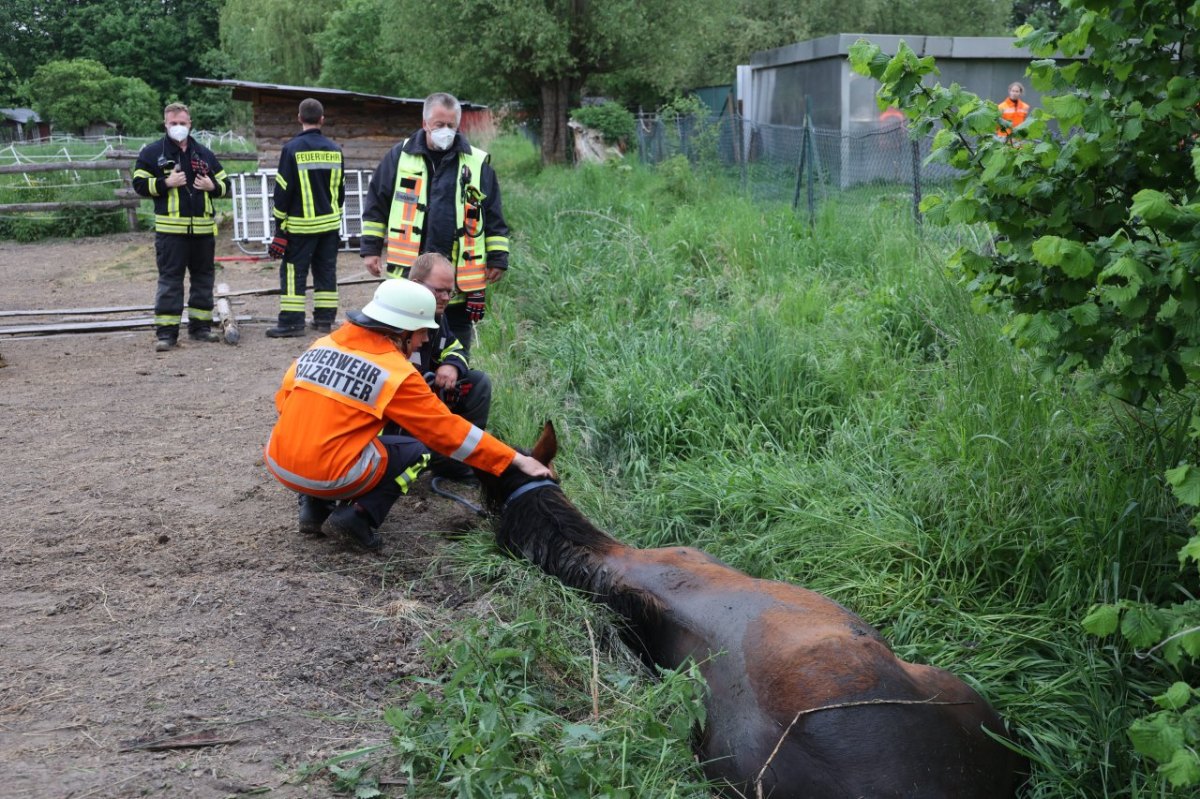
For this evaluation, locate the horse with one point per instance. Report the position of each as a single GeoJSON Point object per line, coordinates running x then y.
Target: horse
{"type": "Point", "coordinates": [805, 700]}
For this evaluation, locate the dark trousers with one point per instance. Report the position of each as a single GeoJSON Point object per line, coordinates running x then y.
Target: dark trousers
{"type": "Point", "coordinates": [406, 459]}
{"type": "Point", "coordinates": [177, 254]}
{"type": "Point", "coordinates": [316, 252]}
{"type": "Point", "coordinates": [460, 325]}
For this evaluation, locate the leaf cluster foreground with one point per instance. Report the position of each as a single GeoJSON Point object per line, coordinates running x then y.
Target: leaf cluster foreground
{"type": "Point", "coordinates": [1094, 257]}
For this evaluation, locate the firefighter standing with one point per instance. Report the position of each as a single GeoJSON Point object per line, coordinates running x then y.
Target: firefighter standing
{"type": "Point", "coordinates": [182, 177]}
{"type": "Point", "coordinates": [334, 402]}
{"type": "Point", "coordinates": [434, 192]}
{"type": "Point", "coordinates": [1013, 110]}
{"type": "Point", "coordinates": [309, 193]}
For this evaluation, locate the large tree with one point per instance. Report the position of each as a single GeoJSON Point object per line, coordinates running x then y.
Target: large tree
{"type": "Point", "coordinates": [274, 40]}
{"type": "Point", "coordinates": [74, 94]}
{"type": "Point", "coordinates": [161, 42]}
{"type": "Point", "coordinates": [541, 52]}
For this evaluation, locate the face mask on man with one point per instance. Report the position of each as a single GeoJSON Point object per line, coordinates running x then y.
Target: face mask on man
{"type": "Point", "coordinates": [442, 138]}
{"type": "Point", "coordinates": [178, 132]}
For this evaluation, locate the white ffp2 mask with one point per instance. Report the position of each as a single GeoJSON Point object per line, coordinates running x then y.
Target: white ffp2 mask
{"type": "Point", "coordinates": [442, 138]}
{"type": "Point", "coordinates": [178, 132]}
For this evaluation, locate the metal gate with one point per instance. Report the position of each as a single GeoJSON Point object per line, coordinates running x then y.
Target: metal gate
{"type": "Point", "coordinates": [253, 195]}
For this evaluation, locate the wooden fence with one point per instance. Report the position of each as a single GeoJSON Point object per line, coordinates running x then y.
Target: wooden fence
{"type": "Point", "coordinates": [125, 197]}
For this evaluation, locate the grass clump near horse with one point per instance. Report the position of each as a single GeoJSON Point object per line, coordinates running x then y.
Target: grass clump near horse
{"type": "Point", "coordinates": [805, 699]}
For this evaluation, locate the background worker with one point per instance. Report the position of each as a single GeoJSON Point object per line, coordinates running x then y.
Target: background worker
{"type": "Point", "coordinates": [334, 402]}
{"type": "Point", "coordinates": [443, 361]}
{"type": "Point", "coordinates": [309, 193]}
{"type": "Point", "coordinates": [182, 177]}
{"type": "Point", "coordinates": [434, 192]}
{"type": "Point", "coordinates": [1013, 110]}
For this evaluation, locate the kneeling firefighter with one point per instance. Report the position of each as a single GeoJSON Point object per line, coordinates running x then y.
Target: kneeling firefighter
{"type": "Point", "coordinates": [333, 405]}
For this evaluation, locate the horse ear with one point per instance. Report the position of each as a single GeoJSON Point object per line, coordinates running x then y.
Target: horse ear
{"type": "Point", "coordinates": [547, 445]}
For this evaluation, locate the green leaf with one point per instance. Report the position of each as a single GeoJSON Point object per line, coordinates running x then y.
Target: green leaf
{"type": "Point", "coordinates": [1176, 697]}
{"type": "Point", "coordinates": [1141, 627]}
{"type": "Point", "coordinates": [1155, 737]}
{"type": "Point", "coordinates": [505, 653]}
{"type": "Point", "coordinates": [1085, 314]}
{"type": "Point", "coordinates": [1185, 484]}
{"type": "Point", "coordinates": [1191, 550]}
{"type": "Point", "coordinates": [1152, 206]}
{"type": "Point", "coordinates": [1068, 108]}
{"type": "Point", "coordinates": [1183, 768]}
{"type": "Point", "coordinates": [1070, 256]}
{"type": "Point", "coordinates": [1102, 620]}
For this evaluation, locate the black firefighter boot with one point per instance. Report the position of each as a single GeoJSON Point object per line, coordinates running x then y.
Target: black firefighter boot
{"type": "Point", "coordinates": [354, 524]}
{"type": "Point", "coordinates": [290, 325]}
{"type": "Point", "coordinates": [313, 513]}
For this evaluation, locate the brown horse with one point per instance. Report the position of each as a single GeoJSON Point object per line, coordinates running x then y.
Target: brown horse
{"type": "Point", "coordinates": [806, 700]}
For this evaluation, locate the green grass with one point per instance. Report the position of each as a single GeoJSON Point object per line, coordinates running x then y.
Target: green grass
{"type": "Point", "coordinates": [822, 407]}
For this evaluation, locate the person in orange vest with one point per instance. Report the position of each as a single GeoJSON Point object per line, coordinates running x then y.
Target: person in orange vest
{"type": "Point", "coordinates": [1013, 110]}
{"type": "Point", "coordinates": [334, 402]}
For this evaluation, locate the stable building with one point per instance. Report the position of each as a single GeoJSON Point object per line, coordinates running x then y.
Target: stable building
{"type": "Point", "coordinates": [365, 125]}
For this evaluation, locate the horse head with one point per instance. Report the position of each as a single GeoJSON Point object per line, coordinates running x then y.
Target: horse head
{"type": "Point", "coordinates": [496, 491]}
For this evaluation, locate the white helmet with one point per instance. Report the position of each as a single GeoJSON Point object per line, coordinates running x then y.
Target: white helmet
{"type": "Point", "coordinates": [401, 304]}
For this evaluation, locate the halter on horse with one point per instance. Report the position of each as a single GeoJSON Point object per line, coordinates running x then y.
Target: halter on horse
{"type": "Point", "coordinates": [806, 700]}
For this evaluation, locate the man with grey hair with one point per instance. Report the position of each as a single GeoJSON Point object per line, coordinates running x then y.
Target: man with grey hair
{"type": "Point", "coordinates": [435, 192]}
{"type": "Point", "coordinates": [443, 361]}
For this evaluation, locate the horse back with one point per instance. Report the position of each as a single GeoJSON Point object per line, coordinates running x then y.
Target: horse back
{"type": "Point", "coordinates": [796, 674]}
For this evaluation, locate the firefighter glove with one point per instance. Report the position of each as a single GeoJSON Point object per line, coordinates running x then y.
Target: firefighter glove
{"type": "Point", "coordinates": [278, 246]}
{"type": "Point", "coordinates": [476, 305]}
{"type": "Point", "coordinates": [199, 166]}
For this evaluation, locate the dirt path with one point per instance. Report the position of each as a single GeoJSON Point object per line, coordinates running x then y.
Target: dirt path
{"type": "Point", "coordinates": [153, 580]}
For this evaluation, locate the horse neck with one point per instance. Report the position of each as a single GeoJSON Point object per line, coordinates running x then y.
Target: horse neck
{"type": "Point", "coordinates": [551, 532]}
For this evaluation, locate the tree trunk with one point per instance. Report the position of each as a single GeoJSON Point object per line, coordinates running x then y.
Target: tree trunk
{"type": "Point", "coordinates": [555, 98]}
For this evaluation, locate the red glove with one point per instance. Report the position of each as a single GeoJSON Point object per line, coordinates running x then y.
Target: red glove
{"type": "Point", "coordinates": [278, 246]}
{"type": "Point", "coordinates": [476, 304]}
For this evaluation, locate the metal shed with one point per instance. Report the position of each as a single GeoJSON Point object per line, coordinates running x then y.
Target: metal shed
{"type": "Point", "coordinates": [774, 87]}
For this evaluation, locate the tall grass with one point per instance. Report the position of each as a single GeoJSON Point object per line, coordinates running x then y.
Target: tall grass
{"type": "Point", "coordinates": [822, 406]}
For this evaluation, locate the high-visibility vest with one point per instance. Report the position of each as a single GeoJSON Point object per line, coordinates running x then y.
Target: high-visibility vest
{"type": "Point", "coordinates": [1014, 113]}
{"type": "Point", "coordinates": [407, 216]}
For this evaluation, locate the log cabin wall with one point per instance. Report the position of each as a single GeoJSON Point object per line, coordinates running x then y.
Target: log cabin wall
{"type": "Point", "coordinates": [366, 129]}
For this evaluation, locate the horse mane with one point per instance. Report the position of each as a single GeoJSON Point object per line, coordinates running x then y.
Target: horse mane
{"type": "Point", "coordinates": [546, 528]}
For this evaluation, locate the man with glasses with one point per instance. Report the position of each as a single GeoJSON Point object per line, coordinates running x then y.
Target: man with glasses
{"type": "Point", "coordinates": [443, 360]}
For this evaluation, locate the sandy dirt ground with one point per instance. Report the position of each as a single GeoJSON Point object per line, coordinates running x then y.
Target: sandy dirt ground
{"type": "Point", "coordinates": [152, 580]}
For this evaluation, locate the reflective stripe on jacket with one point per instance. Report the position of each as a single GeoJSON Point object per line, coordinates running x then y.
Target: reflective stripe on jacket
{"type": "Point", "coordinates": [182, 210]}
{"type": "Point", "coordinates": [332, 406]}
{"type": "Point", "coordinates": [309, 185]}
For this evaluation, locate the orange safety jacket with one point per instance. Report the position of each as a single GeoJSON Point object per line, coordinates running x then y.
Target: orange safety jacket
{"type": "Point", "coordinates": [332, 406]}
{"type": "Point", "coordinates": [1014, 113]}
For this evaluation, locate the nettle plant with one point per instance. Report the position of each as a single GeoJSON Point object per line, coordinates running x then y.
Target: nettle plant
{"type": "Point", "coordinates": [1095, 257]}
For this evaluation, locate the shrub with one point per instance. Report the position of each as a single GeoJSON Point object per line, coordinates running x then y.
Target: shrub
{"type": "Point", "coordinates": [613, 121]}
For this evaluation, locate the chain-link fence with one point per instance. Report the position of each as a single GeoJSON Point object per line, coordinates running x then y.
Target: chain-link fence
{"type": "Point", "coordinates": [805, 166]}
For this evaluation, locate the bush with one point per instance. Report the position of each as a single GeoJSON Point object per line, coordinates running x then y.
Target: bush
{"type": "Point", "coordinates": [613, 121]}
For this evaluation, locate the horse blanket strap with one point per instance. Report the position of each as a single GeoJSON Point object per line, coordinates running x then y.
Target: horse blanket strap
{"type": "Point", "coordinates": [525, 489]}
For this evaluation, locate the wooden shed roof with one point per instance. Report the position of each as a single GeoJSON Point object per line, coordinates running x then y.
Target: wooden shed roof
{"type": "Point", "coordinates": [246, 90]}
